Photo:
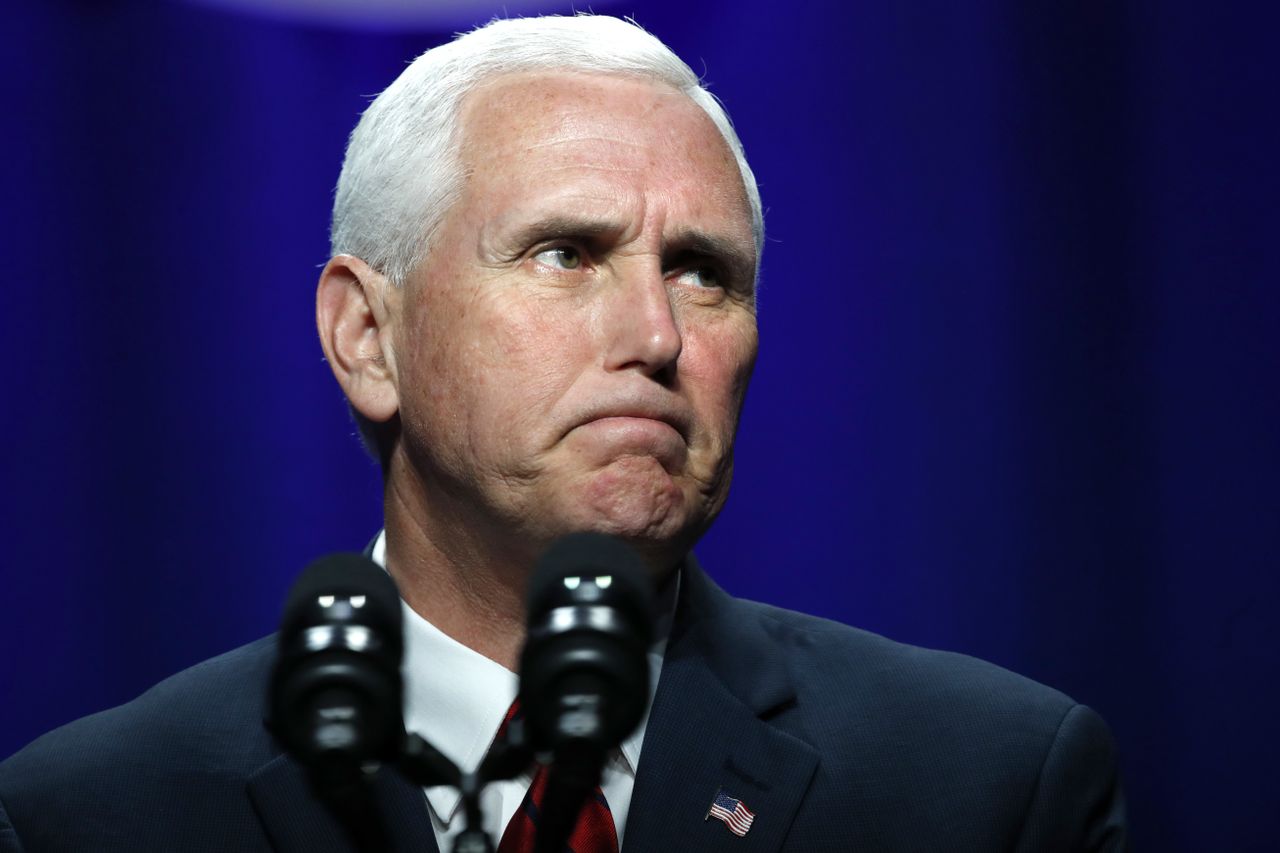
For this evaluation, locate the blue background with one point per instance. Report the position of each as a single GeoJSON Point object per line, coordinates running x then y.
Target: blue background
{"type": "Point", "coordinates": [1017, 393]}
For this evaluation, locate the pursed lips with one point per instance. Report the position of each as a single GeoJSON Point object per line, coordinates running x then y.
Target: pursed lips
{"type": "Point", "coordinates": [670, 415]}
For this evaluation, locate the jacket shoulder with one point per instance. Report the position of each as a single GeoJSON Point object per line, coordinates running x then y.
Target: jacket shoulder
{"type": "Point", "coordinates": [195, 735]}
{"type": "Point", "coordinates": [832, 656]}
{"type": "Point", "coordinates": [193, 711]}
{"type": "Point", "coordinates": [936, 738]}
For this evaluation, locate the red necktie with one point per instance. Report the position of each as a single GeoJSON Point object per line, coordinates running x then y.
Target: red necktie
{"type": "Point", "coordinates": [593, 833]}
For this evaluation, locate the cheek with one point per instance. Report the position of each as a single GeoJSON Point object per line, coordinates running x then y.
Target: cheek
{"type": "Point", "coordinates": [536, 349]}
{"type": "Point", "coordinates": [442, 377]}
{"type": "Point", "coordinates": [718, 370]}
{"type": "Point", "coordinates": [502, 364]}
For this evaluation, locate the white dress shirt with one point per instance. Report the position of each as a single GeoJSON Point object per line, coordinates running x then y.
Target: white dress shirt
{"type": "Point", "coordinates": [456, 698]}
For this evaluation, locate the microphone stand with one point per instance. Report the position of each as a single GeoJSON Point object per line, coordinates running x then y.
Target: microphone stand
{"type": "Point", "coordinates": [425, 766]}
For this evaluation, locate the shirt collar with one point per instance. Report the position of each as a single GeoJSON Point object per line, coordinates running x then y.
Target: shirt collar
{"type": "Point", "coordinates": [456, 698]}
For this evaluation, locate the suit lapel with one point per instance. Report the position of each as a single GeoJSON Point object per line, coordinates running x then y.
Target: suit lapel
{"type": "Point", "coordinates": [720, 675]}
{"type": "Point", "coordinates": [395, 815]}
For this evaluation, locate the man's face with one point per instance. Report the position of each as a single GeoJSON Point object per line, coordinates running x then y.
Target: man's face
{"type": "Point", "coordinates": [574, 351]}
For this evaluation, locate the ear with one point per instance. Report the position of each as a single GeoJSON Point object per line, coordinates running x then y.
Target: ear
{"type": "Point", "coordinates": [355, 306]}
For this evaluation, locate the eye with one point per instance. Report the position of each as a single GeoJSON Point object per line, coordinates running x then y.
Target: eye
{"type": "Point", "coordinates": [560, 257]}
{"type": "Point", "coordinates": [705, 276]}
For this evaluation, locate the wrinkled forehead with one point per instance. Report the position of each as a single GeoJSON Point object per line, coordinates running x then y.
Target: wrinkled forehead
{"type": "Point", "coordinates": [520, 104]}
{"type": "Point", "coordinates": [527, 127]}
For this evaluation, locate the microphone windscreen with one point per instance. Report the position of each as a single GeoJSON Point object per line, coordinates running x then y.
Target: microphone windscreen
{"type": "Point", "coordinates": [584, 669]}
{"type": "Point", "coordinates": [584, 555]}
{"type": "Point", "coordinates": [344, 576]}
{"type": "Point", "coordinates": [335, 695]}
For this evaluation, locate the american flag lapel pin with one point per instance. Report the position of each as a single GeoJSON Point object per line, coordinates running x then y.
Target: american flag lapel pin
{"type": "Point", "coordinates": [731, 812]}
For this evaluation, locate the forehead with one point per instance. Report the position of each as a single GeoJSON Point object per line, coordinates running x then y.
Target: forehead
{"type": "Point", "coordinates": [611, 131]}
{"type": "Point", "coordinates": [523, 107]}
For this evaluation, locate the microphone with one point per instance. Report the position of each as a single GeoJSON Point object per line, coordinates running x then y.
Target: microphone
{"type": "Point", "coordinates": [584, 670]}
{"type": "Point", "coordinates": [335, 692]}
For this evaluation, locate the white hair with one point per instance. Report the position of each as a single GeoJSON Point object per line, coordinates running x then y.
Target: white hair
{"type": "Point", "coordinates": [403, 168]}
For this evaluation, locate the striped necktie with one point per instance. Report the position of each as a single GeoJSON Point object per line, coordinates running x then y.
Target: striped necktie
{"type": "Point", "coordinates": [593, 833]}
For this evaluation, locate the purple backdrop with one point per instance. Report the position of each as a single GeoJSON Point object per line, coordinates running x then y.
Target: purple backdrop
{"type": "Point", "coordinates": [1017, 391]}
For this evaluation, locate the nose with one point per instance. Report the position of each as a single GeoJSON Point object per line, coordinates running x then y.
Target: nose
{"type": "Point", "coordinates": [642, 329]}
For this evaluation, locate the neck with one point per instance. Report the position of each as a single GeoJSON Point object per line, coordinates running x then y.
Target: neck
{"type": "Point", "coordinates": [457, 572]}
{"type": "Point", "coordinates": [466, 571]}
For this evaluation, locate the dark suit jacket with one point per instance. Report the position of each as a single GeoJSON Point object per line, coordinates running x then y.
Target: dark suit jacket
{"type": "Point", "coordinates": [837, 740]}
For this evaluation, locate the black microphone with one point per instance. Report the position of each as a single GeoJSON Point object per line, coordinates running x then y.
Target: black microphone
{"type": "Point", "coordinates": [584, 671]}
{"type": "Point", "coordinates": [335, 698]}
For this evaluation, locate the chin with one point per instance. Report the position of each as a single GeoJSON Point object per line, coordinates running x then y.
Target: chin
{"type": "Point", "coordinates": [662, 533]}
{"type": "Point", "coordinates": [635, 500]}
{"type": "Point", "coordinates": [635, 495]}
{"type": "Point", "coordinates": [661, 545]}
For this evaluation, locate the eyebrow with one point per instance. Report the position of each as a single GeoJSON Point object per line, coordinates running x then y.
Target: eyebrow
{"type": "Point", "coordinates": [561, 225]}
{"type": "Point", "coordinates": [739, 264]}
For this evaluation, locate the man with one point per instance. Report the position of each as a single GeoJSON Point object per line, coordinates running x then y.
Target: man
{"type": "Point", "coordinates": [541, 310]}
